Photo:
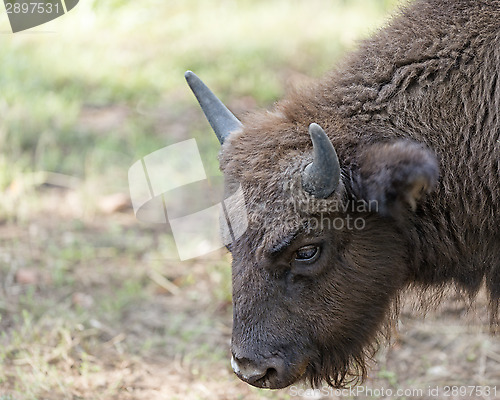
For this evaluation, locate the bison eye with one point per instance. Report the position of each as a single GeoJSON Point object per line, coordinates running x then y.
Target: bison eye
{"type": "Point", "coordinates": [308, 254]}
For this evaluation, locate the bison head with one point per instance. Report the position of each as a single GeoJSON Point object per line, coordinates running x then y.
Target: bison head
{"type": "Point", "coordinates": [325, 253]}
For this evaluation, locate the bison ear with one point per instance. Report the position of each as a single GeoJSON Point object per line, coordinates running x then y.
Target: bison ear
{"type": "Point", "coordinates": [396, 175]}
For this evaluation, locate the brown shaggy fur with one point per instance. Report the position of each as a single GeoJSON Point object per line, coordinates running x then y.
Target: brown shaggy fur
{"type": "Point", "coordinates": [415, 110]}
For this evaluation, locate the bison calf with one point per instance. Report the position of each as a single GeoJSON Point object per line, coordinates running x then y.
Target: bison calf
{"type": "Point", "coordinates": [402, 140]}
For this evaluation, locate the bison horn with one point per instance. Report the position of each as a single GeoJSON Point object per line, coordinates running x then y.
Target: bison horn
{"type": "Point", "coordinates": [222, 120]}
{"type": "Point", "coordinates": [321, 177]}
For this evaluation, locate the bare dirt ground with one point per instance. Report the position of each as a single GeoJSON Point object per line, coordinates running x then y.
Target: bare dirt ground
{"type": "Point", "coordinates": [92, 307]}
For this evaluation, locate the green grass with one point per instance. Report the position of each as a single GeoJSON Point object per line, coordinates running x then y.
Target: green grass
{"type": "Point", "coordinates": [134, 56]}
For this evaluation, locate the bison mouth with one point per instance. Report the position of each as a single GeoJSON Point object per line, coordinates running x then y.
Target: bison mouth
{"type": "Point", "coordinates": [277, 373]}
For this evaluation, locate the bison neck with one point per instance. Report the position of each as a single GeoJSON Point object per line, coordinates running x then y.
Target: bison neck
{"type": "Point", "coordinates": [442, 90]}
{"type": "Point", "coordinates": [446, 247]}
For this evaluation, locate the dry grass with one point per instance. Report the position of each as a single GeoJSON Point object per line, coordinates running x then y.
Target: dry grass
{"type": "Point", "coordinates": [95, 321]}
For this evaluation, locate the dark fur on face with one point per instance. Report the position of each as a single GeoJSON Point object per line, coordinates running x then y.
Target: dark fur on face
{"type": "Point", "coordinates": [414, 116]}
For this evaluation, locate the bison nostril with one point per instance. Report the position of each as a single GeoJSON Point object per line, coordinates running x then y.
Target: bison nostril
{"type": "Point", "coordinates": [247, 370]}
{"type": "Point", "coordinates": [263, 374]}
{"type": "Point", "coordinates": [271, 374]}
